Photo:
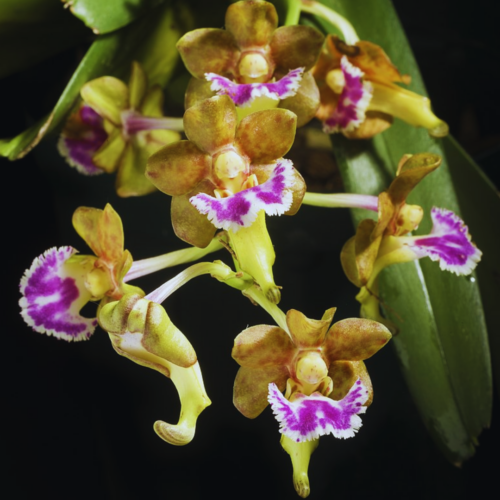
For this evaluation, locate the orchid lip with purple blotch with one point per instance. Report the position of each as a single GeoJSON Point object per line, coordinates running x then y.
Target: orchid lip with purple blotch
{"type": "Point", "coordinates": [352, 103]}
{"type": "Point", "coordinates": [79, 150]}
{"type": "Point", "coordinates": [449, 242]}
{"type": "Point", "coordinates": [52, 297]}
{"type": "Point", "coordinates": [309, 417]}
{"type": "Point", "coordinates": [241, 209]}
{"type": "Point", "coordinates": [243, 94]}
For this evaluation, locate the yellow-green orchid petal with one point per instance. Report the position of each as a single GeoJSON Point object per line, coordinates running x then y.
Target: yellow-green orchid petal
{"type": "Point", "coordinates": [137, 85]}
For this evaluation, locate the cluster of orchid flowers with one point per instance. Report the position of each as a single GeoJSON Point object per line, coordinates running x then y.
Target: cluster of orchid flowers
{"type": "Point", "coordinates": [252, 85]}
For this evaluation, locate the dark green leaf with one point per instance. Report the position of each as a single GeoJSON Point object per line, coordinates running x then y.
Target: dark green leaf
{"type": "Point", "coordinates": [105, 16]}
{"type": "Point", "coordinates": [451, 330]}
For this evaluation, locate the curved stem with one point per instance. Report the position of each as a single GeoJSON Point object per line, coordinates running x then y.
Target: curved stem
{"type": "Point", "coordinates": [147, 266]}
{"type": "Point", "coordinates": [342, 200]}
{"type": "Point", "coordinates": [293, 12]}
{"type": "Point", "coordinates": [341, 23]}
{"type": "Point", "coordinates": [272, 309]}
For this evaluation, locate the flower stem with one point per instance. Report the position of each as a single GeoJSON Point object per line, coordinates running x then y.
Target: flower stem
{"type": "Point", "coordinates": [293, 12]}
{"type": "Point", "coordinates": [147, 266]}
{"type": "Point", "coordinates": [272, 309]}
{"type": "Point", "coordinates": [134, 122]}
{"type": "Point", "coordinates": [342, 200]}
{"type": "Point", "coordinates": [341, 23]}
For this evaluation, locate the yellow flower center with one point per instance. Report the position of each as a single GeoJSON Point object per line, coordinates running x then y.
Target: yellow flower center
{"type": "Point", "coordinates": [335, 80]}
{"type": "Point", "coordinates": [231, 169]}
{"type": "Point", "coordinates": [311, 368]}
{"type": "Point", "coordinates": [253, 68]}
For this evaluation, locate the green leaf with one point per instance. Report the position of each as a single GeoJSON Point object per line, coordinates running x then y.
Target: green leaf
{"type": "Point", "coordinates": [151, 40]}
{"type": "Point", "coordinates": [40, 29]}
{"type": "Point", "coordinates": [443, 346]}
{"type": "Point", "coordinates": [105, 16]}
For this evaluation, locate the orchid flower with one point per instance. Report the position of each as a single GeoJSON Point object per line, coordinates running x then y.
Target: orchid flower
{"type": "Point", "coordinates": [141, 330]}
{"type": "Point", "coordinates": [60, 282]}
{"type": "Point", "coordinates": [257, 64]}
{"type": "Point", "coordinates": [359, 95]}
{"type": "Point", "coordinates": [320, 368]}
{"type": "Point", "coordinates": [117, 128]}
{"type": "Point", "coordinates": [227, 176]}
{"type": "Point", "coordinates": [385, 242]}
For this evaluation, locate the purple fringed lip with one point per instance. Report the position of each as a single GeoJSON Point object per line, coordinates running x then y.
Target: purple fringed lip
{"type": "Point", "coordinates": [51, 298]}
{"type": "Point", "coordinates": [243, 94]}
{"type": "Point", "coordinates": [241, 209]}
{"type": "Point", "coordinates": [449, 242]}
{"type": "Point", "coordinates": [309, 417]}
{"type": "Point", "coordinates": [353, 101]}
{"type": "Point", "coordinates": [81, 140]}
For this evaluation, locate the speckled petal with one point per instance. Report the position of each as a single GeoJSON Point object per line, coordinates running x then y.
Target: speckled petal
{"type": "Point", "coordinates": [197, 91]}
{"type": "Point", "coordinates": [241, 209]}
{"type": "Point", "coordinates": [251, 388]}
{"type": "Point", "coordinates": [353, 101]}
{"type": "Point", "coordinates": [309, 417]}
{"type": "Point", "coordinates": [344, 374]}
{"type": "Point", "coordinates": [449, 243]}
{"type": "Point", "coordinates": [211, 124]}
{"type": "Point", "coordinates": [102, 230]}
{"type": "Point", "coordinates": [296, 46]}
{"type": "Point", "coordinates": [267, 135]}
{"type": "Point", "coordinates": [189, 225]}
{"type": "Point", "coordinates": [177, 168]}
{"type": "Point", "coordinates": [53, 294]}
{"type": "Point", "coordinates": [251, 22]}
{"type": "Point", "coordinates": [305, 102]}
{"type": "Point", "coordinates": [261, 346]}
{"type": "Point", "coordinates": [209, 50]}
{"type": "Point", "coordinates": [243, 94]}
{"type": "Point", "coordinates": [355, 339]}
{"type": "Point", "coordinates": [83, 134]}
{"type": "Point", "coordinates": [308, 332]}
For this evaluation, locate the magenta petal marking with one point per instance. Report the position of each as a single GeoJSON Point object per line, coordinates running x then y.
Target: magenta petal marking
{"type": "Point", "coordinates": [353, 101]}
{"type": "Point", "coordinates": [78, 148]}
{"type": "Point", "coordinates": [50, 297]}
{"type": "Point", "coordinates": [241, 209]}
{"type": "Point", "coordinates": [309, 417]}
{"type": "Point", "coordinates": [244, 93]}
{"type": "Point", "coordinates": [449, 242]}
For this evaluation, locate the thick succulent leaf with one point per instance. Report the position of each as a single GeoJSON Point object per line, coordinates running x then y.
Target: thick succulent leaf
{"type": "Point", "coordinates": [443, 344]}
{"type": "Point", "coordinates": [104, 17]}
{"type": "Point", "coordinates": [109, 55]}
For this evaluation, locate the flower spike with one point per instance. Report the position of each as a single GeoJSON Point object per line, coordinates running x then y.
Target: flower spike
{"type": "Point", "coordinates": [309, 417]}
{"type": "Point", "coordinates": [53, 293]}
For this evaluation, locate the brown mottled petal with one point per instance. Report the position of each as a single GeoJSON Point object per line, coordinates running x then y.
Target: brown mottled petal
{"type": "Point", "coordinates": [375, 122]}
{"type": "Point", "coordinates": [251, 388]}
{"type": "Point", "coordinates": [177, 168]}
{"type": "Point", "coordinates": [348, 261]}
{"type": "Point", "coordinates": [386, 211]}
{"type": "Point", "coordinates": [137, 85]}
{"type": "Point", "coordinates": [375, 63]}
{"type": "Point", "coordinates": [366, 249]}
{"type": "Point", "coordinates": [102, 230]}
{"type": "Point", "coordinates": [344, 374]}
{"type": "Point", "coordinates": [306, 332]}
{"type": "Point", "coordinates": [189, 225]}
{"type": "Point", "coordinates": [305, 102]}
{"type": "Point", "coordinates": [263, 345]}
{"type": "Point", "coordinates": [296, 47]}
{"type": "Point", "coordinates": [209, 50]}
{"type": "Point", "coordinates": [252, 23]}
{"type": "Point", "coordinates": [211, 124]}
{"type": "Point", "coordinates": [131, 179]}
{"type": "Point", "coordinates": [197, 91]}
{"type": "Point", "coordinates": [411, 170]}
{"type": "Point", "coordinates": [326, 62]}
{"type": "Point", "coordinates": [152, 104]}
{"type": "Point", "coordinates": [355, 339]}
{"type": "Point", "coordinates": [267, 135]}
{"type": "Point", "coordinates": [328, 102]}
